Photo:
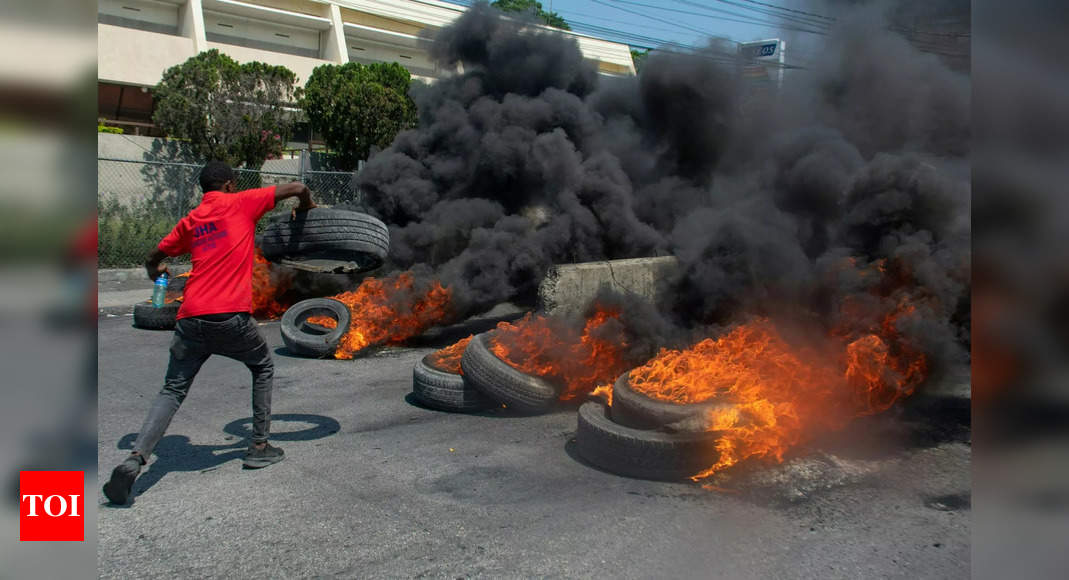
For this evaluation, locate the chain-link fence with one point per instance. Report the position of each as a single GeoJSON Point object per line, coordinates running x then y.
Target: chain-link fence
{"type": "Point", "coordinates": [138, 202]}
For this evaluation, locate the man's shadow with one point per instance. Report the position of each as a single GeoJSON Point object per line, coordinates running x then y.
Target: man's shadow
{"type": "Point", "coordinates": [176, 453]}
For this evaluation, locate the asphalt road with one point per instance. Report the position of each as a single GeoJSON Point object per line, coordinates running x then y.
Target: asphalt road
{"type": "Point", "coordinates": [376, 487]}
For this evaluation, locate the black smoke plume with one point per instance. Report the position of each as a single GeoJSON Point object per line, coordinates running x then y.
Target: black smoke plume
{"type": "Point", "coordinates": [527, 157]}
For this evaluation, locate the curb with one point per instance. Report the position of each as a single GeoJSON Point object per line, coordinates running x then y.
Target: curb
{"type": "Point", "coordinates": [123, 274]}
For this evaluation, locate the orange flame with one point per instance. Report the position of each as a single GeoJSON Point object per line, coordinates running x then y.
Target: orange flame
{"type": "Point", "coordinates": [175, 291]}
{"type": "Point", "coordinates": [781, 392]}
{"type": "Point", "coordinates": [604, 390]}
{"type": "Point", "coordinates": [390, 310]}
{"type": "Point", "coordinates": [551, 349]}
{"type": "Point", "coordinates": [324, 321]}
{"type": "Point", "coordinates": [268, 287]}
{"type": "Point", "coordinates": [448, 358]}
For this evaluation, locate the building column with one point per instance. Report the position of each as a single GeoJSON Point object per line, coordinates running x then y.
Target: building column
{"type": "Point", "coordinates": [192, 25]}
{"type": "Point", "coordinates": [333, 40]}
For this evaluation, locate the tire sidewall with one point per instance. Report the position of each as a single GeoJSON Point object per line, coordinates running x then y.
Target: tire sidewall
{"type": "Point", "coordinates": [484, 371]}
{"type": "Point", "coordinates": [316, 345]}
{"type": "Point", "coordinates": [427, 380]}
{"type": "Point", "coordinates": [639, 453]}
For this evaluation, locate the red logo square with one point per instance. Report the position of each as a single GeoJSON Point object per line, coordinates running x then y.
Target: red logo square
{"type": "Point", "coordinates": [51, 506]}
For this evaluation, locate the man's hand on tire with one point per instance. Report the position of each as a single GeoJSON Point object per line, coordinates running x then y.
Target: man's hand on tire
{"type": "Point", "coordinates": [302, 207]}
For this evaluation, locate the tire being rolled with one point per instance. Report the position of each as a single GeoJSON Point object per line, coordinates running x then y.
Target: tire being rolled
{"type": "Point", "coordinates": [149, 317]}
{"type": "Point", "coordinates": [641, 454]}
{"type": "Point", "coordinates": [310, 340]}
{"type": "Point", "coordinates": [445, 391]}
{"type": "Point", "coordinates": [637, 410]}
{"type": "Point", "coordinates": [500, 382]}
{"type": "Point", "coordinates": [329, 234]}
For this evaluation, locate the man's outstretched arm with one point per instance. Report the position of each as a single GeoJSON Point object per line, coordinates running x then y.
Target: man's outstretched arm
{"type": "Point", "coordinates": [298, 190]}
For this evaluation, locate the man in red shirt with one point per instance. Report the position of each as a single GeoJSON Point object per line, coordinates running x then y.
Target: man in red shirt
{"type": "Point", "coordinates": [214, 317]}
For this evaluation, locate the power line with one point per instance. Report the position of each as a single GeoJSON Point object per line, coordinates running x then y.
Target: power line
{"type": "Point", "coordinates": [766, 12]}
{"type": "Point", "coordinates": [643, 41]}
{"type": "Point", "coordinates": [649, 42]}
{"type": "Point", "coordinates": [784, 8]}
{"type": "Point", "coordinates": [827, 19]}
{"type": "Point", "coordinates": [740, 18]}
{"type": "Point", "coordinates": [676, 24]}
{"type": "Point", "coordinates": [564, 12]}
{"type": "Point", "coordinates": [743, 18]}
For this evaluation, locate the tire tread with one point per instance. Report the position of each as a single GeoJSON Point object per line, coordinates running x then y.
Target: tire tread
{"type": "Point", "coordinates": [504, 384]}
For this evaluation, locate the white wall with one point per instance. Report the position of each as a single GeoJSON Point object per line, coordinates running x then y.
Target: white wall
{"type": "Point", "coordinates": [137, 57]}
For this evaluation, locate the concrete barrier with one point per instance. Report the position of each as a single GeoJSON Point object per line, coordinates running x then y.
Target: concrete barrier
{"type": "Point", "coordinates": [568, 288]}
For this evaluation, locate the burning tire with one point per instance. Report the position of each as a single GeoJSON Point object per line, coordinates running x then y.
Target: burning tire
{"type": "Point", "coordinates": [504, 384]}
{"type": "Point", "coordinates": [328, 234]}
{"type": "Point", "coordinates": [149, 317]}
{"type": "Point", "coordinates": [445, 391]}
{"type": "Point", "coordinates": [312, 340]}
{"type": "Point", "coordinates": [642, 454]}
{"type": "Point", "coordinates": [631, 408]}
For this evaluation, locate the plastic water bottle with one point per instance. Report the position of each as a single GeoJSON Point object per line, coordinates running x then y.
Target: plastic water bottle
{"type": "Point", "coordinates": [159, 291]}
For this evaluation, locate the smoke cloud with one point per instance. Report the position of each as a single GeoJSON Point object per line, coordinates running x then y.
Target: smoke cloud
{"type": "Point", "coordinates": [774, 202]}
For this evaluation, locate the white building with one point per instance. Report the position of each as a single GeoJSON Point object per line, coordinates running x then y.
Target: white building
{"type": "Point", "coordinates": [139, 39]}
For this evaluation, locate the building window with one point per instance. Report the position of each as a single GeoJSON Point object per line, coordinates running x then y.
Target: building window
{"type": "Point", "coordinates": [126, 106]}
{"type": "Point", "coordinates": [260, 34]}
{"type": "Point", "coordinates": [147, 15]}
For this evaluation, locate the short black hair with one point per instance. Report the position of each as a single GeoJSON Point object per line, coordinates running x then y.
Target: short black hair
{"type": "Point", "coordinates": [214, 175]}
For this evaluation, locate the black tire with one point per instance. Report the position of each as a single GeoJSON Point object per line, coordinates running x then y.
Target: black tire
{"type": "Point", "coordinates": [312, 340]}
{"type": "Point", "coordinates": [445, 391]}
{"type": "Point", "coordinates": [334, 234]}
{"type": "Point", "coordinates": [641, 454]}
{"type": "Point", "coordinates": [504, 384]}
{"type": "Point", "coordinates": [149, 317]}
{"type": "Point", "coordinates": [631, 408]}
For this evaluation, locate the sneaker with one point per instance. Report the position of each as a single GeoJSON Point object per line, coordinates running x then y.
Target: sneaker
{"type": "Point", "coordinates": [117, 489]}
{"type": "Point", "coordinates": [257, 458]}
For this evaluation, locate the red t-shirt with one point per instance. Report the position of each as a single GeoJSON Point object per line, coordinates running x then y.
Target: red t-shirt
{"type": "Point", "coordinates": [220, 234]}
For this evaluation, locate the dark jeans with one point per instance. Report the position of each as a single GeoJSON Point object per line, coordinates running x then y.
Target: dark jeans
{"type": "Point", "coordinates": [194, 341]}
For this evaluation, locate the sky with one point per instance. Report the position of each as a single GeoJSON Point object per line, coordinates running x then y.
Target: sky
{"type": "Point", "coordinates": [689, 23]}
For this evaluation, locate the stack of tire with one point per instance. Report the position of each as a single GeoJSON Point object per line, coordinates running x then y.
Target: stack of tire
{"type": "Point", "coordinates": [637, 436]}
{"type": "Point", "coordinates": [328, 234]}
{"type": "Point", "coordinates": [645, 438]}
{"type": "Point", "coordinates": [445, 389]}
{"type": "Point", "coordinates": [306, 339]}
{"type": "Point", "coordinates": [485, 381]}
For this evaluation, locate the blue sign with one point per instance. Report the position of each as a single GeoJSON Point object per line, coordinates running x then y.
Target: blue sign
{"type": "Point", "coordinates": [761, 50]}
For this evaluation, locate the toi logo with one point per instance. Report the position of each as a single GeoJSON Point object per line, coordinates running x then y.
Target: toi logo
{"type": "Point", "coordinates": [51, 506]}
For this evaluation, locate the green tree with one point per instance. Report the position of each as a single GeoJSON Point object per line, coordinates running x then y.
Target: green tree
{"type": "Point", "coordinates": [638, 57]}
{"type": "Point", "coordinates": [238, 113]}
{"type": "Point", "coordinates": [357, 106]}
{"type": "Point", "coordinates": [532, 7]}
